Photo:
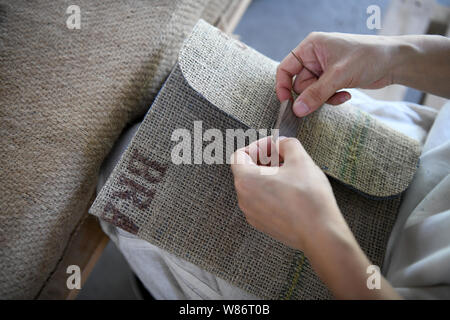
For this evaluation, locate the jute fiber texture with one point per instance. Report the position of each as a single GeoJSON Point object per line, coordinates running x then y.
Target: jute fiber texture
{"type": "Point", "coordinates": [191, 210]}
{"type": "Point", "coordinates": [65, 96]}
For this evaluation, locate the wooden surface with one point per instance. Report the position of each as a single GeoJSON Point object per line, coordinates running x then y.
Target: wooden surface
{"type": "Point", "coordinates": [84, 249]}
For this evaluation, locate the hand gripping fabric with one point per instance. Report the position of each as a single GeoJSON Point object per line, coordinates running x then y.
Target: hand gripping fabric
{"type": "Point", "coordinates": [191, 209]}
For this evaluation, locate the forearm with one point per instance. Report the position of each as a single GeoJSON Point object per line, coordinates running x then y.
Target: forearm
{"type": "Point", "coordinates": [423, 63]}
{"type": "Point", "coordinates": [341, 264]}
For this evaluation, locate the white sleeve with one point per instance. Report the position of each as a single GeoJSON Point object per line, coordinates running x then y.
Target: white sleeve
{"type": "Point", "coordinates": [418, 256]}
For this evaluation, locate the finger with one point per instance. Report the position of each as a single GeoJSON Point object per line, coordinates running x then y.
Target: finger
{"type": "Point", "coordinates": [286, 71]}
{"type": "Point", "coordinates": [316, 94]}
{"type": "Point", "coordinates": [259, 150]}
{"type": "Point", "coordinates": [291, 150]}
{"type": "Point", "coordinates": [283, 85]}
{"type": "Point", "coordinates": [263, 151]}
{"type": "Point", "coordinates": [242, 163]}
{"type": "Point", "coordinates": [339, 98]}
{"type": "Point", "coordinates": [303, 81]}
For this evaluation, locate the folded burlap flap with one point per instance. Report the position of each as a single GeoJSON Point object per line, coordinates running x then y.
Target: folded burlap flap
{"type": "Point", "coordinates": [191, 210]}
{"type": "Point", "coordinates": [347, 143]}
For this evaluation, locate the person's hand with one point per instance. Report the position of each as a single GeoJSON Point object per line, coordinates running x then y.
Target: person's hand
{"type": "Point", "coordinates": [294, 204]}
{"type": "Point", "coordinates": [341, 61]}
{"type": "Point", "coordinates": [291, 203]}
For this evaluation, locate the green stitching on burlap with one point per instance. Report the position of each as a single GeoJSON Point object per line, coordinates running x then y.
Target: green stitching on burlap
{"type": "Point", "coordinates": [354, 146]}
{"type": "Point", "coordinates": [294, 283]}
{"type": "Point", "coordinates": [349, 148]}
{"type": "Point", "coordinates": [362, 140]}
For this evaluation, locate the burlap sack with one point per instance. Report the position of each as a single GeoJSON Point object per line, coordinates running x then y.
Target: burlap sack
{"type": "Point", "coordinates": [65, 96]}
{"type": "Point", "coordinates": [191, 209]}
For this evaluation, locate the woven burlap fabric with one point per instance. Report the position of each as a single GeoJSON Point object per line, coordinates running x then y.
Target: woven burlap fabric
{"type": "Point", "coordinates": [191, 209]}
{"type": "Point", "coordinates": [230, 75]}
{"type": "Point", "coordinates": [65, 96]}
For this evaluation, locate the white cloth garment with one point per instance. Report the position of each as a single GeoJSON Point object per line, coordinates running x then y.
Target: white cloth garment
{"type": "Point", "coordinates": [417, 261]}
